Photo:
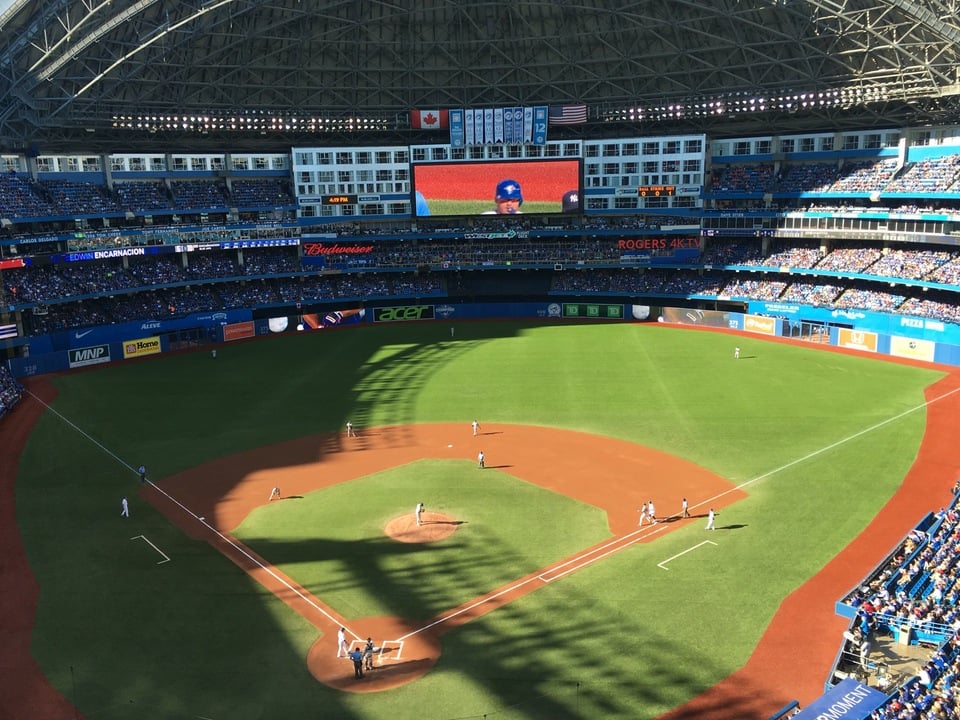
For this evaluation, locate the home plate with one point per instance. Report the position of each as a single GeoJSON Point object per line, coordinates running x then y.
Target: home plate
{"type": "Point", "coordinates": [451, 445]}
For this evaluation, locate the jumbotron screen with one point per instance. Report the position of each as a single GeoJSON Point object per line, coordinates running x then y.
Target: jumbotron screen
{"type": "Point", "coordinates": [491, 188]}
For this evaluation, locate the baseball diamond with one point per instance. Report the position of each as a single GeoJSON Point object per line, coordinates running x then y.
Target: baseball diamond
{"type": "Point", "coordinates": [500, 360]}
{"type": "Point", "coordinates": [524, 552]}
{"type": "Point", "coordinates": [621, 475]}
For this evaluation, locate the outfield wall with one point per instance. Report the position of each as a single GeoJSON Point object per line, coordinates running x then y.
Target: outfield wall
{"type": "Point", "coordinates": [864, 331]}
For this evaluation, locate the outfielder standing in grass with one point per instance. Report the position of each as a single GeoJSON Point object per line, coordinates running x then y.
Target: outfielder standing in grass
{"type": "Point", "coordinates": [480, 458]}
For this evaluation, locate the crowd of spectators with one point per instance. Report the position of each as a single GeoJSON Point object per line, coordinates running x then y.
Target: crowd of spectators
{"type": "Point", "coordinates": [260, 193]}
{"type": "Point", "coordinates": [10, 390]}
{"type": "Point", "coordinates": [176, 301]}
{"type": "Point", "coordinates": [864, 176]}
{"type": "Point", "coordinates": [199, 194]}
{"type": "Point", "coordinates": [935, 175]}
{"type": "Point", "coordinates": [926, 176]}
{"type": "Point", "coordinates": [933, 305]}
{"type": "Point", "coordinates": [80, 198]}
{"type": "Point", "coordinates": [732, 252]}
{"type": "Point", "coordinates": [811, 292]}
{"type": "Point", "coordinates": [909, 263]}
{"type": "Point", "coordinates": [20, 197]}
{"type": "Point", "coordinates": [793, 254]}
{"type": "Point", "coordinates": [743, 179]}
{"type": "Point", "coordinates": [850, 259]}
{"type": "Point", "coordinates": [859, 176]}
{"type": "Point", "coordinates": [808, 177]}
{"type": "Point", "coordinates": [934, 695]}
{"type": "Point", "coordinates": [25, 198]}
{"type": "Point", "coordinates": [861, 297]}
{"type": "Point", "coordinates": [609, 269]}
{"type": "Point", "coordinates": [914, 592]}
{"type": "Point", "coordinates": [754, 289]}
{"type": "Point", "coordinates": [143, 195]}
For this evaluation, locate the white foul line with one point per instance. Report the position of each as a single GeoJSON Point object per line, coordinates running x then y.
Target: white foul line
{"type": "Point", "coordinates": [144, 538]}
{"type": "Point", "coordinates": [230, 541]}
{"type": "Point", "coordinates": [831, 446]}
{"type": "Point", "coordinates": [664, 563]}
{"type": "Point", "coordinates": [618, 542]}
{"type": "Point", "coordinates": [578, 562]}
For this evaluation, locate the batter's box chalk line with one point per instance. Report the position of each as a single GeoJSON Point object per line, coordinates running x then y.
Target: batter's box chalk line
{"type": "Point", "coordinates": [386, 646]}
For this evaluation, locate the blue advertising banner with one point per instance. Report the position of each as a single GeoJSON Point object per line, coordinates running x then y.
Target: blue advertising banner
{"type": "Point", "coordinates": [120, 332]}
{"type": "Point", "coordinates": [867, 320]}
{"type": "Point", "coordinates": [849, 700]}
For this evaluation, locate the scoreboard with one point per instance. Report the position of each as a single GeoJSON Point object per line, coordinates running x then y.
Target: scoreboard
{"type": "Point", "coordinates": [657, 190]}
{"type": "Point", "coordinates": [592, 310]}
{"type": "Point", "coordinates": [338, 200]}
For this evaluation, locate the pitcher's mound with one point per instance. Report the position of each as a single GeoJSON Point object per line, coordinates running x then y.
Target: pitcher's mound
{"type": "Point", "coordinates": [434, 526]}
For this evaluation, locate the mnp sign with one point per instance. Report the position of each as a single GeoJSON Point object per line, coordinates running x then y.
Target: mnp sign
{"type": "Point", "coordinates": [81, 357]}
{"type": "Point", "coordinates": [849, 700]}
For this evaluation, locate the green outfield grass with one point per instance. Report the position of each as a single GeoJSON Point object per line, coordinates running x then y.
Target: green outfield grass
{"type": "Point", "coordinates": [828, 437]}
{"type": "Point", "coordinates": [506, 538]}
{"type": "Point", "coordinates": [477, 207]}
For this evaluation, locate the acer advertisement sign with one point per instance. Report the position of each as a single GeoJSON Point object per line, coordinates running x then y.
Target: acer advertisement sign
{"type": "Point", "coordinates": [403, 314]}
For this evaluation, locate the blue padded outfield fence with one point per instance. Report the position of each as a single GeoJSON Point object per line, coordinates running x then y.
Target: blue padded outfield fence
{"type": "Point", "coordinates": [892, 335]}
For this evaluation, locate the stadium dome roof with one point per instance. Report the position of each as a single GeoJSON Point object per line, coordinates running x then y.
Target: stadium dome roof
{"type": "Point", "coordinates": [71, 72]}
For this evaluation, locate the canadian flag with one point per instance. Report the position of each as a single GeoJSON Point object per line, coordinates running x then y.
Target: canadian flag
{"type": "Point", "coordinates": [429, 119]}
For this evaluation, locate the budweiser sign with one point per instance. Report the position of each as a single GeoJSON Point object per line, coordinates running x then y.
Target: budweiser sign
{"type": "Point", "coordinates": [315, 249]}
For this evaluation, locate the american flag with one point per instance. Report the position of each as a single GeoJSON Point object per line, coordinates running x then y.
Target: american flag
{"type": "Point", "coordinates": [567, 114]}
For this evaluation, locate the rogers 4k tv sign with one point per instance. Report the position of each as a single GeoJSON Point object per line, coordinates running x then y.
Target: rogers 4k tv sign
{"type": "Point", "coordinates": [403, 313]}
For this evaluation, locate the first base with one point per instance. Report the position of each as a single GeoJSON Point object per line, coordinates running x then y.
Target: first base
{"type": "Point", "coordinates": [451, 445]}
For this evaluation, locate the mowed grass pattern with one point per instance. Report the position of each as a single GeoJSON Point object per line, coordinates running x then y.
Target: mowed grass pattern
{"type": "Point", "coordinates": [332, 542]}
{"type": "Point", "coordinates": [823, 439]}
